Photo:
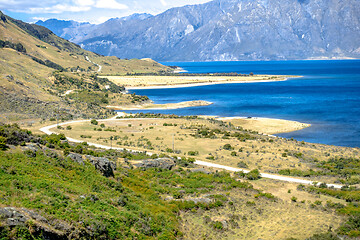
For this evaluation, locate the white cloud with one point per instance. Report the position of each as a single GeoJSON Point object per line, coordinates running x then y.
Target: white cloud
{"type": "Point", "coordinates": [163, 3]}
{"type": "Point", "coordinates": [94, 11]}
{"type": "Point", "coordinates": [59, 8]}
{"type": "Point", "coordinates": [85, 2]}
{"type": "Point", "coordinates": [39, 18]}
{"type": "Point", "coordinates": [110, 4]}
{"type": "Point", "coordinates": [101, 20]}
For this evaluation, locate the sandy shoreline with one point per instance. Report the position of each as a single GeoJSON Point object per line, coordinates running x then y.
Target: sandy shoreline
{"type": "Point", "coordinates": [200, 84]}
{"type": "Point", "coordinates": [167, 106]}
{"type": "Point", "coordinates": [163, 82]}
{"type": "Point", "coordinates": [266, 125]}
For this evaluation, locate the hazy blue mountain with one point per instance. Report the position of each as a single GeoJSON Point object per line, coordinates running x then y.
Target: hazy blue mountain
{"type": "Point", "coordinates": [61, 27]}
{"type": "Point", "coordinates": [233, 30]}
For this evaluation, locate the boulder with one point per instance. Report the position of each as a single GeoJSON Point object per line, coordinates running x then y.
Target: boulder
{"type": "Point", "coordinates": [76, 158]}
{"type": "Point", "coordinates": [163, 163]}
{"type": "Point", "coordinates": [102, 164]}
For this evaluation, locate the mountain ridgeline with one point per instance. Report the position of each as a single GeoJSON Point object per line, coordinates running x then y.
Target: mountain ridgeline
{"type": "Point", "coordinates": [229, 30]}
{"type": "Point", "coordinates": [37, 69]}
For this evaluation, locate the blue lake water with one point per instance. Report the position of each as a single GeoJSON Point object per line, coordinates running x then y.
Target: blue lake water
{"type": "Point", "coordinates": [328, 97]}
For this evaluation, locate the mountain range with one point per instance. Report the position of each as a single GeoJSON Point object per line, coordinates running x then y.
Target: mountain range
{"type": "Point", "coordinates": [227, 30]}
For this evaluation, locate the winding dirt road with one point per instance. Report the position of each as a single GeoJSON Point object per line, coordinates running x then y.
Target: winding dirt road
{"type": "Point", "coordinates": [47, 130]}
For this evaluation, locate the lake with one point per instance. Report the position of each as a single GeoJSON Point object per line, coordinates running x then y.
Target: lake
{"type": "Point", "coordinates": [327, 96]}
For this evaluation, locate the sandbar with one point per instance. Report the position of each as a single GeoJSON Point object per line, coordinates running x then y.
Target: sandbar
{"type": "Point", "coordinates": [158, 82]}
{"type": "Point", "coordinates": [152, 106]}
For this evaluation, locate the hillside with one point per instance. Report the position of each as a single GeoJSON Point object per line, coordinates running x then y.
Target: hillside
{"type": "Point", "coordinates": [224, 30]}
{"type": "Point", "coordinates": [37, 68]}
{"type": "Point", "coordinates": [54, 189]}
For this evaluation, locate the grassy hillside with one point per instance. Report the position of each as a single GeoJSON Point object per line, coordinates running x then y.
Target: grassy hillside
{"type": "Point", "coordinates": [46, 194]}
{"type": "Point", "coordinates": [32, 59]}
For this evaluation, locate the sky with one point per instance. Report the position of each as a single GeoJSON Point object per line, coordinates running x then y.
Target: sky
{"type": "Point", "coordinates": [93, 11]}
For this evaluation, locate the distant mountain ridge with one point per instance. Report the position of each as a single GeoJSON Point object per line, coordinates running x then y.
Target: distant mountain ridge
{"type": "Point", "coordinates": [232, 30]}
{"type": "Point", "coordinates": [37, 68]}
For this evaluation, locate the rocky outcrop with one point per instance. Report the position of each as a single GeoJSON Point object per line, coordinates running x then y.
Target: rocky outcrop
{"type": "Point", "coordinates": [76, 158]}
{"type": "Point", "coordinates": [102, 164]}
{"type": "Point", "coordinates": [163, 163]}
{"type": "Point", "coordinates": [11, 217]}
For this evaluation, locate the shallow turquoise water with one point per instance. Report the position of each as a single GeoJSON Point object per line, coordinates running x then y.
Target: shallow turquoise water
{"type": "Point", "coordinates": [328, 97]}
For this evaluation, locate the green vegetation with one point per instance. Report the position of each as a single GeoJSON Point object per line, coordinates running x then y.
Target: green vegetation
{"type": "Point", "coordinates": [242, 164]}
{"type": "Point", "coordinates": [347, 169]}
{"type": "Point", "coordinates": [70, 192]}
{"type": "Point", "coordinates": [16, 46]}
{"type": "Point", "coordinates": [253, 175]}
{"type": "Point", "coordinates": [127, 206]}
{"type": "Point", "coordinates": [228, 147]}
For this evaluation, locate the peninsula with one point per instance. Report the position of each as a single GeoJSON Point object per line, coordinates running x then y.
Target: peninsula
{"type": "Point", "coordinates": [154, 82]}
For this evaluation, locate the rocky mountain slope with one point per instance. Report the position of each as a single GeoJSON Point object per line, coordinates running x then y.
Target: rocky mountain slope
{"type": "Point", "coordinates": [37, 68]}
{"type": "Point", "coordinates": [232, 30]}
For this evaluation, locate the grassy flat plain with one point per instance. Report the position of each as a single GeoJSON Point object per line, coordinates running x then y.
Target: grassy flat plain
{"type": "Point", "coordinates": [247, 148]}
{"type": "Point", "coordinates": [291, 214]}
{"type": "Point", "coordinates": [133, 82]}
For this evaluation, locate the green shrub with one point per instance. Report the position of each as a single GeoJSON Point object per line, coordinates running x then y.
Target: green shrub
{"type": "Point", "coordinates": [94, 122]}
{"type": "Point", "coordinates": [210, 157]}
{"type": "Point", "coordinates": [253, 175]}
{"type": "Point", "coordinates": [228, 147]}
{"type": "Point", "coordinates": [3, 145]}
{"type": "Point", "coordinates": [193, 153]}
{"type": "Point", "coordinates": [242, 164]}
{"type": "Point", "coordinates": [217, 225]}
{"type": "Point", "coordinates": [266, 195]}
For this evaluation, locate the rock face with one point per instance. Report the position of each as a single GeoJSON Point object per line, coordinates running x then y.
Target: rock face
{"type": "Point", "coordinates": [163, 163]}
{"type": "Point", "coordinates": [76, 158]}
{"type": "Point", "coordinates": [233, 30]}
{"type": "Point", "coordinates": [104, 165]}
{"type": "Point", "coordinates": [13, 217]}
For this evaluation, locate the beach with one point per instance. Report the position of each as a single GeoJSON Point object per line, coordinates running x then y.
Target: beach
{"type": "Point", "coordinates": [266, 125]}
{"type": "Point", "coordinates": [159, 82]}
{"type": "Point", "coordinates": [168, 106]}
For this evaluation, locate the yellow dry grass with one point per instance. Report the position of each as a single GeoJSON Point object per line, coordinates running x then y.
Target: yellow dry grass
{"type": "Point", "coordinates": [261, 153]}
{"type": "Point", "coordinates": [259, 218]}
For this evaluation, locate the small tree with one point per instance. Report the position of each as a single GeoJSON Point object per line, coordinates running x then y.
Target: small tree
{"type": "Point", "coordinates": [253, 175]}
{"type": "Point", "coordinates": [94, 122]}
{"type": "Point", "coordinates": [242, 164]}
{"type": "Point", "coordinates": [228, 147]}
